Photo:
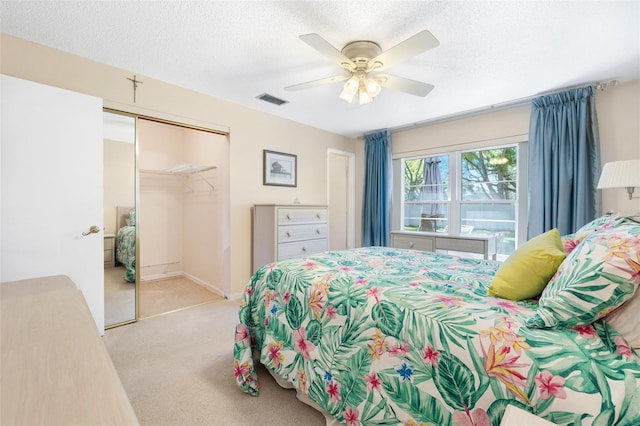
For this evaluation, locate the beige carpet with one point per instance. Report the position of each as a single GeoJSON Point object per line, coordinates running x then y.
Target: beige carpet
{"type": "Point", "coordinates": [177, 369]}
{"type": "Point", "coordinates": [167, 295]}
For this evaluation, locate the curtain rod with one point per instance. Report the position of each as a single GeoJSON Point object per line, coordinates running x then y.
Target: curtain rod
{"type": "Point", "coordinates": [601, 86]}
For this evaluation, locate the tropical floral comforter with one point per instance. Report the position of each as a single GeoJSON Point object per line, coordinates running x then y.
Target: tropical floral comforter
{"type": "Point", "coordinates": [126, 251]}
{"type": "Point", "coordinates": [388, 336]}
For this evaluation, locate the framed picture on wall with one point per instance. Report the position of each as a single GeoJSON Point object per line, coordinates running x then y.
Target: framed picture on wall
{"type": "Point", "coordinates": [280, 169]}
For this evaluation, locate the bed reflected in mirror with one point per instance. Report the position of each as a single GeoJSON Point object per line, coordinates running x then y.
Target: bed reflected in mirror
{"type": "Point", "coordinates": [119, 219]}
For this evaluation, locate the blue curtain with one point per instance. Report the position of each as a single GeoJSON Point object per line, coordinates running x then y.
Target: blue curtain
{"type": "Point", "coordinates": [376, 204]}
{"type": "Point", "coordinates": [564, 162]}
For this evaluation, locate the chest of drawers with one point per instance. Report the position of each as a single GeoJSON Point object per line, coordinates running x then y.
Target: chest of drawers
{"type": "Point", "coordinates": [109, 250]}
{"type": "Point", "coordinates": [285, 231]}
{"type": "Point", "coordinates": [484, 245]}
{"type": "Point", "coordinates": [44, 380]}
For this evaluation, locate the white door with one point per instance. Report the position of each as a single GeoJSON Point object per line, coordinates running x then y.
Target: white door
{"type": "Point", "coordinates": [341, 188]}
{"type": "Point", "coordinates": [51, 171]}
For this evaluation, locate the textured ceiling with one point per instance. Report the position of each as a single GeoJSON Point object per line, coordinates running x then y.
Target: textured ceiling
{"type": "Point", "coordinates": [490, 53]}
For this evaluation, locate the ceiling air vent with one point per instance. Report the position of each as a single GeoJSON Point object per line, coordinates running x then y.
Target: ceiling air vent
{"type": "Point", "coordinates": [271, 99]}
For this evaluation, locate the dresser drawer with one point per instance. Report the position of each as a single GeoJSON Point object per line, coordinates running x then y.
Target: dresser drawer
{"type": "Point", "coordinates": [108, 255]}
{"type": "Point", "coordinates": [283, 231]}
{"type": "Point", "coordinates": [306, 215]}
{"type": "Point", "coordinates": [302, 232]}
{"type": "Point", "coordinates": [413, 243]}
{"type": "Point", "coordinates": [108, 242]}
{"type": "Point", "coordinates": [109, 250]}
{"type": "Point", "coordinates": [457, 244]}
{"type": "Point", "coordinates": [302, 248]}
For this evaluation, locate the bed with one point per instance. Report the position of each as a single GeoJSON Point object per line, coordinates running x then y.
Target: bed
{"type": "Point", "coordinates": [126, 241]}
{"type": "Point", "coordinates": [389, 336]}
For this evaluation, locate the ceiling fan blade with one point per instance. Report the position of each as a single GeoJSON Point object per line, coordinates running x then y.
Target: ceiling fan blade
{"type": "Point", "coordinates": [323, 46]}
{"type": "Point", "coordinates": [406, 85]}
{"type": "Point", "coordinates": [314, 83]}
{"type": "Point", "coordinates": [414, 45]}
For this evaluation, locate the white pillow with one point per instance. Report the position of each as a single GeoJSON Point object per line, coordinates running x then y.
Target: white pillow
{"type": "Point", "coordinates": [626, 320]}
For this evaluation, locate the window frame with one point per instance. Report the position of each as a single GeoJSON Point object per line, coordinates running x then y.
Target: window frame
{"type": "Point", "coordinates": [446, 202]}
{"type": "Point", "coordinates": [455, 202]}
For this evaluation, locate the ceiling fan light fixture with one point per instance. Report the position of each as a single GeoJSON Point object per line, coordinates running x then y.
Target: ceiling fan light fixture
{"type": "Point", "coordinates": [350, 88]}
{"type": "Point", "coordinates": [362, 57]}
{"type": "Point", "coordinates": [373, 87]}
{"type": "Point", "coordinates": [346, 95]}
{"type": "Point", "coordinates": [352, 84]}
{"type": "Point", "coordinates": [364, 96]}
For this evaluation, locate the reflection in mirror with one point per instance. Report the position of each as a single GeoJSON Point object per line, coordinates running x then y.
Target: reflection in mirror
{"type": "Point", "coordinates": [119, 219]}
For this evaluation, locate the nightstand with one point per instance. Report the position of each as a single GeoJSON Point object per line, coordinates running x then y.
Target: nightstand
{"type": "Point", "coordinates": [109, 250]}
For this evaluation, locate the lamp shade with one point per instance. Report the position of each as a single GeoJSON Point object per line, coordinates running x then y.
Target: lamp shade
{"type": "Point", "coordinates": [620, 174]}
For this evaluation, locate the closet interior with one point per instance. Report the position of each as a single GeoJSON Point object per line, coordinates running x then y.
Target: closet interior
{"type": "Point", "coordinates": [180, 217]}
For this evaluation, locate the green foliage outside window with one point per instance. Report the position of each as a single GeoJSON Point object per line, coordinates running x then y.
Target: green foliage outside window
{"type": "Point", "coordinates": [486, 185]}
{"type": "Point", "coordinates": [490, 174]}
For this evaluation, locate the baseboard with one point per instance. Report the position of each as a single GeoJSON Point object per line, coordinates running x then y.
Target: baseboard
{"type": "Point", "coordinates": [205, 284]}
{"type": "Point", "coordinates": [178, 274]}
{"type": "Point", "coordinates": [234, 296]}
{"type": "Point", "coordinates": [153, 277]}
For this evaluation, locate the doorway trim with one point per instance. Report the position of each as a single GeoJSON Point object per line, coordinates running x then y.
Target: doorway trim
{"type": "Point", "coordinates": [351, 191]}
{"type": "Point", "coordinates": [161, 117]}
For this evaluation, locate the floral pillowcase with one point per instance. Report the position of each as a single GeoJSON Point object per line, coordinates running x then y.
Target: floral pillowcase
{"type": "Point", "coordinates": [598, 275]}
{"type": "Point", "coordinates": [608, 221]}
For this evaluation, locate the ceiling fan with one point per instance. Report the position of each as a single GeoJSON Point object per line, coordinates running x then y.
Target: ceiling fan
{"type": "Point", "coordinates": [364, 60]}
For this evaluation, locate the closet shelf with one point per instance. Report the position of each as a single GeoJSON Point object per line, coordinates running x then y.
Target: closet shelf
{"type": "Point", "coordinates": [183, 170]}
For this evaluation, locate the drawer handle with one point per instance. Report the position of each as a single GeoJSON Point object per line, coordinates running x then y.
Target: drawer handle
{"type": "Point", "coordinates": [318, 231]}
{"type": "Point", "coordinates": [411, 244]}
{"type": "Point", "coordinates": [318, 215]}
{"type": "Point", "coordinates": [288, 234]}
{"type": "Point", "coordinates": [304, 248]}
{"type": "Point", "coordinates": [288, 217]}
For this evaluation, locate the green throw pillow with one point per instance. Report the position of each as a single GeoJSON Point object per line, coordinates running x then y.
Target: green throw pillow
{"type": "Point", "coordinates": [528, 270]}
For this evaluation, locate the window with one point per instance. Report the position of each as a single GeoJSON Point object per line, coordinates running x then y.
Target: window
{"type": "Point", "coordinates": [426, 195]}
{"type": "Point", "coordinates": [471, 192]}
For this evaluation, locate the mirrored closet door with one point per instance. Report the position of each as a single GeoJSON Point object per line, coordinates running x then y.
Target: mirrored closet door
{"type": "Point", "coordinates": [119, 218]}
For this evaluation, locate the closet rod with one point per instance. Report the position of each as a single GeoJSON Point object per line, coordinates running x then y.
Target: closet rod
{"type": "Point", "coordinates": [184, 170]}
{"type": "Point", "coordinates": [181, 172]}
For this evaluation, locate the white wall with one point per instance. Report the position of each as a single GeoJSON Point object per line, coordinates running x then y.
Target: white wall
{"type": "Point", "coordinates": [250, 132]}
{"type": "Point", "coordinates": [618, 109]}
